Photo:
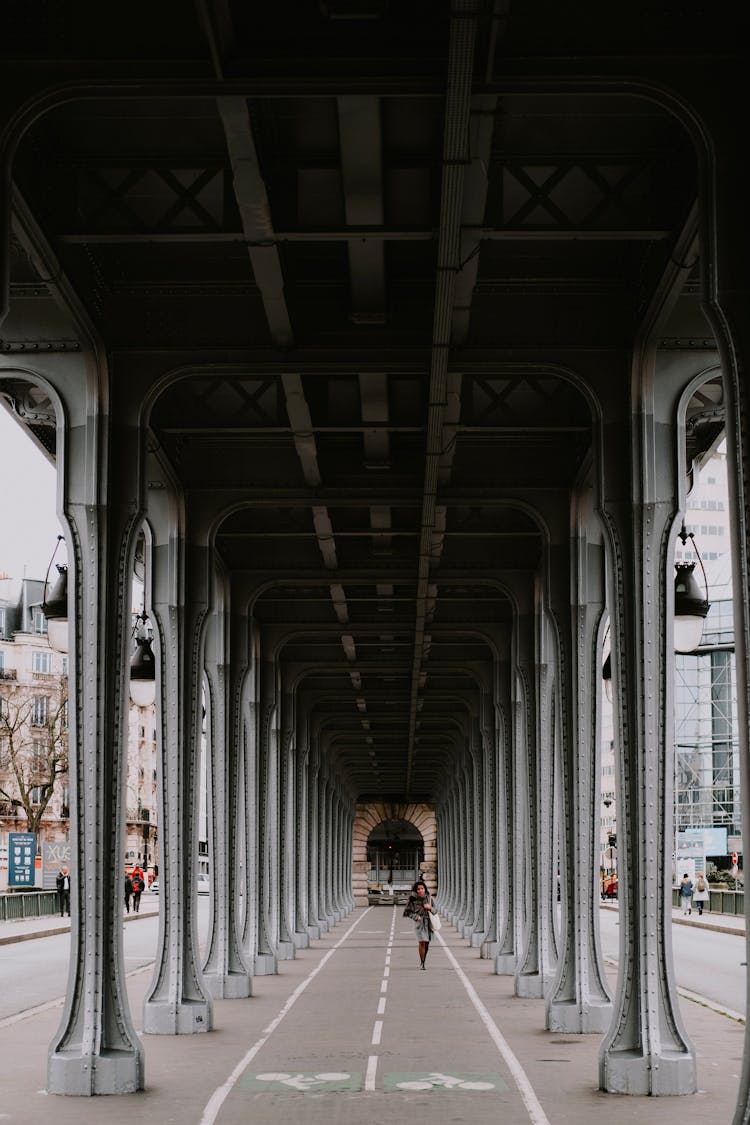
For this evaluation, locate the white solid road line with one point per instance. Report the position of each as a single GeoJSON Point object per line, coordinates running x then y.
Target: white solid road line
{"type": "Point", "coordinates": [221, 1093]}
{"type": "Point", "coordinates": [526, 1090]}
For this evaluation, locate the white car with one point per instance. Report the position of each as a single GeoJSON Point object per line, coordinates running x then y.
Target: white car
{"type": "Point", "coordinates": [203, 885]}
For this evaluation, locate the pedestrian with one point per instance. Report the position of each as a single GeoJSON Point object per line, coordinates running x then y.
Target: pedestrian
{"type": "Point", "coordinates": [128, 891]}
{"type": "Point", "coordinates": [418, 908]}
{"type": "Point", "coordinates": [62, 882]}
{"type": "Point", "coordinates": [138, 885]}
{"type": "Point", "coordinates": [701, 894]}
{"type": "Point", "coordinates": [686, 894]}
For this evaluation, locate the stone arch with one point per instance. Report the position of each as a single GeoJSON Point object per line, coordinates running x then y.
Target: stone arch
{"type": "Point", "coordinates": [367, 818]}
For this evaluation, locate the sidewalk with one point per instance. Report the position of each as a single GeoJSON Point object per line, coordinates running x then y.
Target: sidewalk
{"type": "Point", "coordinates": [183, 1073]}
{"type": "Point", "coordinates": [26, 929]}
{"type": "Point", "coordinates": [720, 923]}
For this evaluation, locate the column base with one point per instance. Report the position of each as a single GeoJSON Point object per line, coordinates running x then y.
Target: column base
{"type": "Point", "coordinates": [314, 933]}
{"type": "Point", "coordinates": [530, 986]}
{"type": "Point", "coordinates": [505, 964]}
{"type": "Point", "coordinates": [228, 986]}
{"type": "Point", "coordinates": [301, 939]}
{"type": "Point", "coordinates": [266, 965]}
{"type": "Point", "coordinates": [488, 950]}
{"type": "Point", "coordinates": [111, 1072]}
{"type": "Point", "coordinates": [162, 1017]}
{"type": "Point", "coordinates": [286, 951]}
{"type": "Point", "coordinates": [631, 1072]}
{"type": "Point", "coordinates": [571, 1016]}
{"type": "Point", "coordinates": [475, 939]}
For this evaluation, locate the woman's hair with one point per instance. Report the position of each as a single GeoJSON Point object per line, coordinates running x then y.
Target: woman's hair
{"type": "Point", "coordinates": [419, 883]}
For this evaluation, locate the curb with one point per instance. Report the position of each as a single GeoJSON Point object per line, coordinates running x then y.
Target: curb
{"type": "Point", "coordinates": [54, 931]}
{"type": "Point", "coordinates": [714, 926]}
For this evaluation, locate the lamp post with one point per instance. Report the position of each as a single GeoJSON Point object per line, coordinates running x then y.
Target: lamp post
{"type": "Point", "coordinates": [55, 607]}
{"type": "Point", "coordinates": [142, 665]}
{"type": "Point", "coordinates": [690, 605]}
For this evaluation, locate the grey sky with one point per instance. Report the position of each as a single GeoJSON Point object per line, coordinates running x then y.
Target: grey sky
{"type": "Point", "coordinates": [28, 521]}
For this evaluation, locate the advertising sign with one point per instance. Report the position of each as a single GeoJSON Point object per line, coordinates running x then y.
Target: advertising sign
{"type": "Point", "coordinates": [55, 854]}
{"type": "Point", "coordinates": [714, 839]}
{"type": "Point", "coordinates": [21, 859]}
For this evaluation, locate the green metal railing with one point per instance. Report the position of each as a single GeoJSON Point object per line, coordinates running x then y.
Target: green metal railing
{"type": "Point", "coordinates": [719, 902]}
{"type": "Point", "coordinates": [27, 904]}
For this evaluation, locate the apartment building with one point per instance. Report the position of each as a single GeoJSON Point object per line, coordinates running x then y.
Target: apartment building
{"type": "Point", "coordinates": [34, 781]}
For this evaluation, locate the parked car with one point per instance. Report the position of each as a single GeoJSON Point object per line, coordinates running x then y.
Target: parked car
{"type": "Point", "coordinates": [155, 885]}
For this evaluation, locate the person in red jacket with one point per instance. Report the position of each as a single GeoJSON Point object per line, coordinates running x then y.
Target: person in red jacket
{"type": "Point", "coordinates": [139, 885]}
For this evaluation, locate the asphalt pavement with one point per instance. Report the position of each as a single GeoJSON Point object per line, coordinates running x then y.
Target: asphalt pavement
{"type": "Point", "coordinates": [351, 1031]}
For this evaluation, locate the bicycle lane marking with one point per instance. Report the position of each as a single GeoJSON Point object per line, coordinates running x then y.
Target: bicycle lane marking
{"type": "Point", "coordinates": [525, 1089]}
{"type": "Point", "coordinates": [221, 1093]}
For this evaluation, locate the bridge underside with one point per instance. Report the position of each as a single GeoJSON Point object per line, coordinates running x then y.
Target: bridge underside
{"type": "Point", "coordinates": [382, 341]}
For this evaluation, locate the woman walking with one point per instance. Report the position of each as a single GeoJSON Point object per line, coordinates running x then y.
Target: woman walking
{"type": "Point", "coordinates": [418, 908]}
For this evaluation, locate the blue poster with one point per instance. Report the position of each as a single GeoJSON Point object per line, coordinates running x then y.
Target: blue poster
{"type": "Point", "coordinates": [21, 859]}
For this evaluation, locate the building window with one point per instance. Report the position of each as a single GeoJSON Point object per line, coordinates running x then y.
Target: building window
{"type": "Point", "coordinates": [2, 660]}
{"type": "Point", "coordinates": [35, 796]}
{"type": "Point", "coordinates": [2, 621]}
{"type": "Point", "coordinates": [38, 622]}
{"type": "Point", "coordinates": [64, 716]}
{"type": "Point", "coordinates": [41, 662]}
{"type": "Point", "coordinates": [64, 666]}
{"type": "Point", "coordinates": [38, 756]}
{"type": "Point", "coordinates": [40, 711]}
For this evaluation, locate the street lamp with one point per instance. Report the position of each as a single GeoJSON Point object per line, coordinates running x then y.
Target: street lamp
{"type": "Point", "coordinates": [690, 605]}
{"type": "Point", "coordinates": [142, 665]}
{"type": "Point", "coordinates": [55, 607]}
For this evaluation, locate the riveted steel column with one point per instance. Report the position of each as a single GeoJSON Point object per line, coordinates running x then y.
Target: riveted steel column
{"type": "Point", "coordinates": [96, 1049]}
{"type": "Point", "coordinates": [477, 916]}
{"type": "Point", "coordinates": [580, 1000]}
{"type": "Point", "coordinates": [536, 968]}
{"type": "Point", "coordinates": [326, 866]}
{"type": "Point", "coordinates": [241, 736]}
{"type": "Point", "coordinates": [287, 858]}
{"type": "Point", "coordinates": [224, 969]}
{"type": "Point", "coordinates": [505, 960]}
{"type": "Point", "coordinates": [646, 1050]}
{"type": "Point", "coordinates": [454, 844]}
{"type": "Point", "coordinates": [488, 736]}
{"type": "Point", "coordinates": [465, 843]}
{"type": "Point", "coordinates": [302, 830]}
{"type": "Point", "coordinates": [178, 1001]}
{"type": "Point", "coordinates": [266, 960]}
{"type": "Point", "coordinates": [314, 926]}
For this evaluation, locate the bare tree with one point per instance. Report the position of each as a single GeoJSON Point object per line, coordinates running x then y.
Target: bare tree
{"type": "Point", "coordinates": [34, 744]}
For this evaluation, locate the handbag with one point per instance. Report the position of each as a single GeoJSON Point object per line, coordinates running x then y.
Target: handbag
{"type": "Point", "coordinates": [435, 922]}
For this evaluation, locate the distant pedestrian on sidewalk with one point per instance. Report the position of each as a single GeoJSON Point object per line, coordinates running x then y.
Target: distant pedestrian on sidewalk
{"type": "Point", "coordinates": [418, 909]}
{"type": "Point", "coordinates": [686, 894]}
{"type": "Point", "coordinates": [139, 884]}
{"type": "Point", "coordinates": [701, 894]}
{"type": "Point", "coordinates": [62, 882]}
{"type": "Point", "coordinates": [128, 891]}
